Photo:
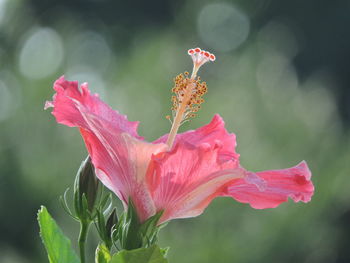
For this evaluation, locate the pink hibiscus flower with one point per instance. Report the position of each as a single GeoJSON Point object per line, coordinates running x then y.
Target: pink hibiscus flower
{"type": "Point", "coordinates": [178, 174]}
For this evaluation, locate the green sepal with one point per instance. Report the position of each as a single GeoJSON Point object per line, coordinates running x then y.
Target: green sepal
{"type": "Point", "coordinates": [152, 254]}
{"type": "Point", "coordinates": [133, 234]}
{"type": "Point", "coordinates": [111, 223]}
{"type": "Point", "coordinates": [149, 229]}
{"type": "Point", "coordinates": [57, 245]}
{"type": "Point", "coordinates": [104, 227]}
{"type": "Point", "coordinates": [117, 233]}
{"type": "Point", "coordinates": [165, 251]}
{"type": "Point", "coordinates": [77, 204]}
{"type": "Point", "coordinates": [106, 204]}
{"type": "Point", "coordinates": [102, 254]}
{"type": "Point", "coordinates": [130, 237]}
{"type": "Point", "coordinates": [100, 225]}
{"type": "Point", "coordinates": [84, 207]}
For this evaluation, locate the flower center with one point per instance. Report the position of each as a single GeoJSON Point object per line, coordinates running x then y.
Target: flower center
{"type": "Point", "coordinates": [188, 93]}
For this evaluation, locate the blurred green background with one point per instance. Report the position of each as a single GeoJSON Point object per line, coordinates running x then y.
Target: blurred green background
{"type": "Point", "coordinates": [281, 82]}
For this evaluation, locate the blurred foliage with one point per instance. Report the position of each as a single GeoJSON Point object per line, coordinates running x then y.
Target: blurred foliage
{"type": "Point", "coordinates": [280, 82]}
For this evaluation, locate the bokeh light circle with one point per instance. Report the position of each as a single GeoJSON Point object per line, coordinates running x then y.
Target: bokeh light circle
{"type": "Point", "coordinates": [41, 54]}
{"type": "Point", "coordinates": [3, 8]}
{"type": "Point", "coordinates": [5, 101]}
{"type": "Point", "coordinates": [222, 26]}
{"type": "Point", "coordinates": [10, 96]}
{"type": "Point", "coordinates": [90, 48]}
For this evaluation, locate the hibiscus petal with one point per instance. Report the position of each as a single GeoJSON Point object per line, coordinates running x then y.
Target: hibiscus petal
{"type": "Point", "coordinates": [185, 180]}
{"type": "Point", "coordinates": [66, 111]}
{"type": "Point", "coordinates": [213, 133]}
{"type": "Point", "coordinates": [119, 156]}
{"type": "Point", "coordinates": [271, 188]}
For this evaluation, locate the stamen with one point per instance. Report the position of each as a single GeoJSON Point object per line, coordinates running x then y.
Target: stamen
{"type": "Point", "coordinates": [188, 93]}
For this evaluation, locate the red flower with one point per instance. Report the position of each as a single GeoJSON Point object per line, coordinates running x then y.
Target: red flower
{"type": "Point", "coordinates": [181, 177]}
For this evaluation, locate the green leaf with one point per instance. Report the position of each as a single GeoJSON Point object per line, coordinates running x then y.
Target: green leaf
{"type": "Point", "coordinates": [151, 254]}
{"type": "Point", "coordinates": [102, 254]}
{"type": "Point", "coordinates": [57, 245]}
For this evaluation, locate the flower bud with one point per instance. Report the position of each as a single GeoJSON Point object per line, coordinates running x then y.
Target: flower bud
{"type": "Point", "coordinates": [85, 189]}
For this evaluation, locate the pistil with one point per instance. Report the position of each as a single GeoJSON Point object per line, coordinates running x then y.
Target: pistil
{"type": "Point", "coordinates": [188, 93]}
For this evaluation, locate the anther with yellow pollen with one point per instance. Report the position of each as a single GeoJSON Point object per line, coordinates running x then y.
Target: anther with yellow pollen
{"type": "Point", "coordinates": [188, 93]}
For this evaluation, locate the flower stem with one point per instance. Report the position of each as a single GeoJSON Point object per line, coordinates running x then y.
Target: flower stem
{"type": "Point", "coordinates": [84, 227]}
